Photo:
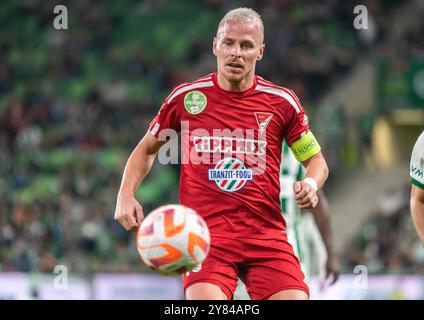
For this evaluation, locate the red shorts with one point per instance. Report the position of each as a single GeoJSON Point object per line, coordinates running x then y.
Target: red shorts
{"type": "Point", "coordinates": [265, 266]}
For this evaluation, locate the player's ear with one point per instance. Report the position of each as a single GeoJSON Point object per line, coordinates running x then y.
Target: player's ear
{"type": "Point", "coordinates": [261, 52]}
{"type": "Point", "coordinates": [214, 45]}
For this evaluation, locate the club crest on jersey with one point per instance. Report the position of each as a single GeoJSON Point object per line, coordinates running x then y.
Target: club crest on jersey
{"type": "Point", "coordinates": [263, 119]}
{"type": "Point", "coordinates": [195, 102]}
{"type": "Point", "coordinates": [230, 174]}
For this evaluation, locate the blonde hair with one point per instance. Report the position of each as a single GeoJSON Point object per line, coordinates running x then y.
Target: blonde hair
{"type": "Point", "coordinates": [242, 14]}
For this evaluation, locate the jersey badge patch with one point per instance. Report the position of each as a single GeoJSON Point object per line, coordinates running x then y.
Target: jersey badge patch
{"type": "Point", "coordinates": [195, 102]}
{"type": "Point", "coordinates": [263, 119]}
{"type": "Point", "coordinates": [230, 174]}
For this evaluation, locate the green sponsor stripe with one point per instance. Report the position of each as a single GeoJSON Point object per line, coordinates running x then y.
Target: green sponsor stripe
{"type": "Point", "coordinates": [229, 164]}
{"type": "Point", "coordinates": [298, 242]}
{"type": "Point", "coordinates": [284, 169]}
{"type": "Point", "coordinates": [300, 173]}
{"type": "Point", "coordinates": [296, 227]}
{"type": "Point", "coordinates": [231, 184]}
{"type": "Point", "coordinates": [284, 205]}
{"type": "Point", "coordinates": [417, 183]}
{"type": "Point", "coordinates": [285, 147]}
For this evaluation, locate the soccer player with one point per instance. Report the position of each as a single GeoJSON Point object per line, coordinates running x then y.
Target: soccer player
{"type": "Point", "coordinates": [232, 124]}
{"type": "Point", "coordinates": [417, 191]}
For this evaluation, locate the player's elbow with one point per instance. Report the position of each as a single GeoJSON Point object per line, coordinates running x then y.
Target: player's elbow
{"type": "Point", "coordinates": [326, 170]}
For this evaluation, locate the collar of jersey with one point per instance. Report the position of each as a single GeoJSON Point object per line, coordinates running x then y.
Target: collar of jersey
{"type": "Point", "coordinates": [234, 93]}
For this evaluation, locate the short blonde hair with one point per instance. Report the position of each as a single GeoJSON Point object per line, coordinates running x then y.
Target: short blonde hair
{"type": "Point", "coordinates": [242, 14]}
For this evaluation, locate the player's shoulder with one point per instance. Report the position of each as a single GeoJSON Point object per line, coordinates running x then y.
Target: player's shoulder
{"type": "Point", "coordinates": [202, 82]}
{"type": "Point", "coordinates": [419, 144]}
{"type": "Point", "coordinates": [276, 91]}
{"type": "Point", "coordinates": [418, 150]}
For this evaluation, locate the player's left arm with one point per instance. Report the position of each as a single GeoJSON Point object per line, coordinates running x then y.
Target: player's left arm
{"type": "Point", "coordinates": [307, 150]}
{"type": "Point", "coordinates": [316, 168]}
{"type": "Point", "coordinates": [417, 210]}
{"type": "Point", "coordinates": [316, 173]}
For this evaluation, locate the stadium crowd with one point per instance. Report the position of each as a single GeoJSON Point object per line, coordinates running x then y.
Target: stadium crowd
{"type": "Point", "coordinates": [74, 102]}
{"type": "Point", "coordinates": [386, 242]}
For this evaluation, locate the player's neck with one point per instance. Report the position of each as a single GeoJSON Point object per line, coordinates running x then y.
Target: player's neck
{"type": "Point", "coordinates": [240, 86]}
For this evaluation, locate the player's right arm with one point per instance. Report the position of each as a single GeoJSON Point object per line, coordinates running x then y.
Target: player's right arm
{"type": "Point", "coordinates": [128, 210]}
{"type": "Point", "coordinates": [417, 210]}
{"type": "Point", "coordinates": [416, 174]}
{"type": "Point", "coordinates": [323, 221]}
{"type": "Point", "coordinates": [417, 192]}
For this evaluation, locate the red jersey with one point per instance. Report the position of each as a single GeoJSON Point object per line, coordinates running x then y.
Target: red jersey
{"type": "Point", "coordinates": [232, 143]}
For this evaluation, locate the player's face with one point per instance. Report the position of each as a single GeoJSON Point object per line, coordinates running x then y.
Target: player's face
{"type": "Point", "coordinates": [237, 46]}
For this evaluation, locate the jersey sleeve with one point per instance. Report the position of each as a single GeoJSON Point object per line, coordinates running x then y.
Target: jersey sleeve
{"type": "Point", "coordinates": [416, 171]}
{"type": "Point", "coordinates": [297, 133]}
{"type": "Point", "coordinates": [168, 117]}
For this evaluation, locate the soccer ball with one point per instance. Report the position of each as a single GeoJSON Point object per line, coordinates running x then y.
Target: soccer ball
{"type": "Point", "coordinates": [173, 239]}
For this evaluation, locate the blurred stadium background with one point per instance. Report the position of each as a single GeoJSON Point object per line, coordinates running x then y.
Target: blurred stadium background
{"type": "Point", "coordinates": [73, 104]}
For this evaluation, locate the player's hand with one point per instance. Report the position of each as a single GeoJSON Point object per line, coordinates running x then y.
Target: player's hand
{"type": "Point", "coordinates": [332, 268]}
{"type": "Point", "coordinates": [128, 211]}
{"type": "Point", "coordinates": [306, 196]}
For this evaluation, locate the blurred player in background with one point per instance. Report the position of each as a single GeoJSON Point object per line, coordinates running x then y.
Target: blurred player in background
{"type": "Point", "coordinates": [309, 231]}
{"type": "Point", "coordinates": [417, 191]}
{"type": "Point", "coordinates": [248, 237]}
